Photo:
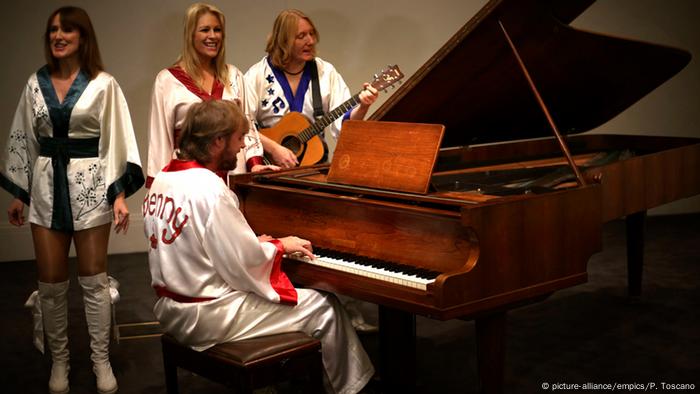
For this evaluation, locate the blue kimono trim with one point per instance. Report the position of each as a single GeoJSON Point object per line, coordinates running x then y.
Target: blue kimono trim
{"type": "Point", "coordinates": [296, 103]}
{"type": "Point", "coordinates": [61, 150]}
{"type": "Point", "coordinates": [13, 189]}
{"type": "Point", "coordinates": [129, 183]}
{"type": "Point", "coordinates": [60, 112]}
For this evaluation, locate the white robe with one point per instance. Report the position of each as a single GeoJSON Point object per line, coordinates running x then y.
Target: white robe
{"type": "Point", "coordinates": [171, 99]}
{"type": "Point", "coordinates": [203, 251]}
{"type": "Point", "coordinates": [93, 117]}
{"type": "Point", "coordinates": [272, 102]}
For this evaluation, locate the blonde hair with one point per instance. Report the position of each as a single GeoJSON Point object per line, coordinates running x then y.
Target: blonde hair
{"type": "Point", "coordinates": [281, 40]}
{"type": "Point", "coordinates": [189, 58]}
{"type": "Point", "coordinates": [205, 121]}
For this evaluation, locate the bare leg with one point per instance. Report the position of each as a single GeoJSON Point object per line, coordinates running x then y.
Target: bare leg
{"type": "Point", "coordinates": [51, 248]}
{"type": "Point", "coordinates": [91, 248]}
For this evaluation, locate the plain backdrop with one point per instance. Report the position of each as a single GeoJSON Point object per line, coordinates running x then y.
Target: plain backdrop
{"type": "Point", "coordinates": [138, 38]}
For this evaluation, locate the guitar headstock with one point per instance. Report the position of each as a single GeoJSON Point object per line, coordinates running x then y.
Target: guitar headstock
{"type": "Point", "coordinates": [387, 77]}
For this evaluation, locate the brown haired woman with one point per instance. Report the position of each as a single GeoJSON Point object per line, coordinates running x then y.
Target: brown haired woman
{"type": "Point", "coordinates": [199, 74]}
{"type": "Point", "coordinates": [72, 153]}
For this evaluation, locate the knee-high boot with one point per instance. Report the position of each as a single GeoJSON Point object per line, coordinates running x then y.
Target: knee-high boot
{"type": "Point", "coordinates": [98, 315]}
{"type": "Point", "coordinates": [54, 310]}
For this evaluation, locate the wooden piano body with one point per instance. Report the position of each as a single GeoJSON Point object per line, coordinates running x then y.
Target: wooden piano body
{"type": "Point", "coordinates": [490, 254]}
{"type": "Point", "coordinates": [505, 222]}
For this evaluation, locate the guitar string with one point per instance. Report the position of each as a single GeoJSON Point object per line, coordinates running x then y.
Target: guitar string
{"type": "Point", "coordinates": [324, 121]}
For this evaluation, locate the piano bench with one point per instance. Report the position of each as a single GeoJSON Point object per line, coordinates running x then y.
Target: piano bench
{"type": "Point", "coordinates": [249, 364]}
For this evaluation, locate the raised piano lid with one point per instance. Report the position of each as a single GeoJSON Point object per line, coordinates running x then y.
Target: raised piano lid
{"type": "Point", "coordinates": [474, 86]}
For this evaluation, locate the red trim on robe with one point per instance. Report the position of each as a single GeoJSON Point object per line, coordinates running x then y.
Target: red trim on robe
{"type": "Point", "coordinates": [175, 165]}
{"type": "Point", "coordinates": [181, 165]}
{"type": "Point", "coordinates": [162, 291]}
{"type": "Point", "coordinates": [254, 161]}
{"type": "Point", "coordinates": [279, 280]}
{"type": "Point", "coordinates": [217, 89]}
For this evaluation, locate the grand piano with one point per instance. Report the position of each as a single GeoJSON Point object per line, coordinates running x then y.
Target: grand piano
{"type": "Point", "coordinates": [517, 195]}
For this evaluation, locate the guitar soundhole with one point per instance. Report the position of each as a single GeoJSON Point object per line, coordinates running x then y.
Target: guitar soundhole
{"type": "Point", "coordinates": [292, 143]}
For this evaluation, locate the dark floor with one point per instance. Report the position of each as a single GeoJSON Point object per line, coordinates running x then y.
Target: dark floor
{"type": "Point", "coordinates": [592, 333]}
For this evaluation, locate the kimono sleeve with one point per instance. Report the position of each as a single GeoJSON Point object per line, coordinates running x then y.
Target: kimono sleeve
{"type": "Point", "coordinates": [21, 149]}
{"type": "Point", "coordinates": [253, 147]}
{"type": "Point", "coordinates": [252, 95]}
{"type": "Point", "coordinates": [338, 95]}
{"type": "Point", "coordinates": [161, 127]}
{"type": "Point", "coordinates": [118, 149]}
{"type": "Point", "coordinates": [244, 262]}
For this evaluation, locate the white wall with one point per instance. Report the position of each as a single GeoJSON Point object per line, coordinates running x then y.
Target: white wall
{"type": "Point", "coordinates": [138, 38]}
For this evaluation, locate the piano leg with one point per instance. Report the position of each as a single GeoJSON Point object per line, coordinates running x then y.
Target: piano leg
{"type": "Point", "coordinates": [491, 351]}
{"type": "Point", "coordinates": [397, 350]}
{"type": "Point", "coordinates": [635, 251]}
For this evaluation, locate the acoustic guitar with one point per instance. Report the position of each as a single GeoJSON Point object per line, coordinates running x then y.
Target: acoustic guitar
{"type": "Point", "coordinates": [296, 133]}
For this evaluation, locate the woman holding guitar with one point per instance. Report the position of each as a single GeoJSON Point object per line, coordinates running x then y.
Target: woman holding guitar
{"type": "Point", "coordinates": [200, 73]}
{"type": "Point", "coordinates": [282, 83]}
{"type": "Point", "coordinates": [282, 89]}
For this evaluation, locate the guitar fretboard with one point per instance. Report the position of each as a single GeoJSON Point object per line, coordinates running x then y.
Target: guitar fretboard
{"type": "Point", "coordinates": [323, 122]}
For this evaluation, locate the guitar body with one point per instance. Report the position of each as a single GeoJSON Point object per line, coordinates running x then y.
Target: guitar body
{"type": "Point", "coordinates": [286, 133]}
{"type": "Point", "coordinates": [295, 133]}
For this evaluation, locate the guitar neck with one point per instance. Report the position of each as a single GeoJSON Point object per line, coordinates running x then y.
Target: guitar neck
{"type": "Point", "coordinates": [321, 123]}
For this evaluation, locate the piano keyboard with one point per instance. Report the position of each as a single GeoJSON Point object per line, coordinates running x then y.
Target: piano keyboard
{"type": "Point", "coordinates": [400, 274]}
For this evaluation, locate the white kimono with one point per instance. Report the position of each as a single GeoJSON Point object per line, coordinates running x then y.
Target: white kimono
{"type": "Point", "coordinates": [173, 93]}
{"type": "Point", "coordinates": [68, 161]}
{"type": "Point", "coordinates": [218, 283]}
{"type": "Point", "coordinates": [273, 96]}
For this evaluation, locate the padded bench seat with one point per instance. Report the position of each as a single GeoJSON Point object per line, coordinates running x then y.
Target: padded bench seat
{"type": "Point", "coordinates": [249, 364]}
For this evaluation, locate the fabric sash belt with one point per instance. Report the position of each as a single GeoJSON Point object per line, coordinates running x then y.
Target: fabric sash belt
{"type": "Point", "coordinates": [61, 150]}
{"type": "Point", "coordinates": [162, 291]}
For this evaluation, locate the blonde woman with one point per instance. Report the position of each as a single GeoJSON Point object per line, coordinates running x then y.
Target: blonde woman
{"type": "Point", "coordinates": [199, 74]}
{"type": "Point", "coordinates": [282, 81]}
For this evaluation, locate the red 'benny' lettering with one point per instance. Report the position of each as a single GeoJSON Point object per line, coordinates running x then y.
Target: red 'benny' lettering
{"type": "Point", "coordinates": [156, 206]}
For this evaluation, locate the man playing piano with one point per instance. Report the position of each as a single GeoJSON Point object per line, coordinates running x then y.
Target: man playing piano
{"type": "Point", "coordinates": [216, 281]}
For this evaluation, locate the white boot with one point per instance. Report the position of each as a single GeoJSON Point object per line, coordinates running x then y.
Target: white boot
{"type": "Point", "coordinates": [54, 310]}
{"type": "Point", "coordinates": [98, 315]}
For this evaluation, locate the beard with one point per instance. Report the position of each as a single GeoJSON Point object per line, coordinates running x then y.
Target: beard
{"type": "Point", "coordinates": [229, 159]}
{"type": "Point", "coordinates": [228, 163]}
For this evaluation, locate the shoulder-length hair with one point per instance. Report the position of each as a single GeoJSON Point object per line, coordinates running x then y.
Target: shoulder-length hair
{"type": "Point", "coordinates": [205, 121]}
{"type": "Point", "coordinates": [281, 40]}
{"type": "Point", "coordinates": [88, 51]}
{"type": "Point", "coordinates": [189, 57]}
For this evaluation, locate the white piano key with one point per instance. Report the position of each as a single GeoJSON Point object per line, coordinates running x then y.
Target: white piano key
{"type": "Point", "coordinates": [352, 267]}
